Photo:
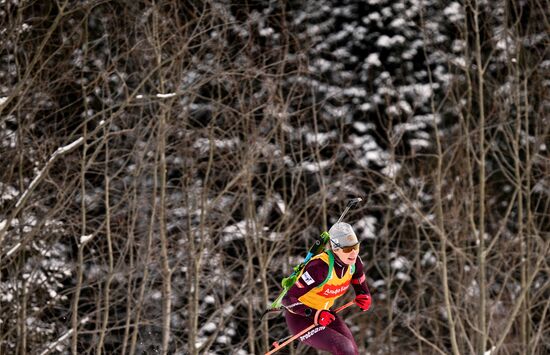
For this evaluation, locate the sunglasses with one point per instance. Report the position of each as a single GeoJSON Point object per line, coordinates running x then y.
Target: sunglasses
{"type": "Point", "coordinates": [350, 249]}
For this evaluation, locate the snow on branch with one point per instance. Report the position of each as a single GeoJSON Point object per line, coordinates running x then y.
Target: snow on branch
{"type": "Point", "coordinates": [13, 250]}
{"type": "Point", "coordinates": [38, 177]}
{"type": "Point", "coordinates": [67, 334]}
{"type": "Point", "coordinates": [86, 238]}
{"type": "Point", "coordinates": [59, 151]}
{"type": "Point", "coordinates": [160, 96]}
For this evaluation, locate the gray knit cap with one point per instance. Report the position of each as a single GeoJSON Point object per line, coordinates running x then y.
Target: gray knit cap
{"type": "Point", "coordinates": [342, 235]}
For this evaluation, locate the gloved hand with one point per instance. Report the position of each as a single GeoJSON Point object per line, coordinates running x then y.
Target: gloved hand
{"type": "Point", "coordinates": [324, 317]}
{"type": "Point", "coordinates": [363, 301]}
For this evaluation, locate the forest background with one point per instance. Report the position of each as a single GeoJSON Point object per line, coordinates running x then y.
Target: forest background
{"type": "Point", "coordinates": [165, 163]}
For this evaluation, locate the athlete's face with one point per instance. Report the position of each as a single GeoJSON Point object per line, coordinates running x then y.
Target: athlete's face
{"type": "Point", "coordinates": [348, 255]}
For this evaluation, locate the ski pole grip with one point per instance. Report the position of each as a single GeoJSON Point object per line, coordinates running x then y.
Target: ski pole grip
{"type": "Point", "coordinates": [351, 203]}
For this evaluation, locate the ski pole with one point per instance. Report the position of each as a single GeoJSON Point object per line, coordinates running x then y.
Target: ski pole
{"type": "Point", "coordinates": [278, 346]}
{"type": "Point", "coordinates": [350, 204]}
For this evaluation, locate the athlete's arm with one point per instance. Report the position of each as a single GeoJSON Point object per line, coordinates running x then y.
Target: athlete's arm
{"type": "Point", "coordinates": [358, 280]}
{"type": "Point", "coordinates": [314, 274]}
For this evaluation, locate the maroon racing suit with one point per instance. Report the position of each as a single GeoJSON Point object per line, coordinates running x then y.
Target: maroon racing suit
{"type": "Point", "coordinates": [336, 337]}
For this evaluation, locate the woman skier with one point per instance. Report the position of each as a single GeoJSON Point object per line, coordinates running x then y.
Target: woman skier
{"type": "Point", "coordinates": [325, 278]}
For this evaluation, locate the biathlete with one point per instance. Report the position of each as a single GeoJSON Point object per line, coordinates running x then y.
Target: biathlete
{"type": "Point", "coordinates": [325, 278]}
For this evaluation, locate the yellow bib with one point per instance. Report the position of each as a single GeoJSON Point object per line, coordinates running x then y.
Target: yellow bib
{"type": "Point", "coordinates": [324, 295]}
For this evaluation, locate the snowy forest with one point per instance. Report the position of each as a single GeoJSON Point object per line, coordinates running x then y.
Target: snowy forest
{"type": "Point", "coordinates": [165, 163]}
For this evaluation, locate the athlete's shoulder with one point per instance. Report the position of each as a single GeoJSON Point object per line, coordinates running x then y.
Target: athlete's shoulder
{"type": "Point", "coordinates": [358, 266]}
{"type": "Point", "coordinates": [316, 270]}
{"type": "Point", "coordinates": [324, 256]}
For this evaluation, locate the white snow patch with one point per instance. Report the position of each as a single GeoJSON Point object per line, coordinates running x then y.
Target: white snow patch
{"type": "Point", "coordinates": [458, 45]}
{"type": "Point", "coordinates": [405, 107]}
{"type": "Point", "coordinates": [222, 339]}
{"type": "Point", "coordinates": [473, 289]}
{"type": "Point", "coordinates": [342, 53]}
{"type": "Point", "coordinates": [387, 12]}
{"type": "Point", "coordinates": [409, 54]}
{"type": "Point", "coordinates": [385, 91]}
{"type": "Point", "coordinates": [235, 231]}
{"type": "Point", "coordinates": [363, 127]}
{"type": "Point", "coordinates": [391, 170]}
{"type": "Point", "coordinates": [454, 12]}
{"type": "Point", "coordinates": [316, 166]}
{"type": "Point", "coordinates": [371, 150]}
{"type": "Point", "coordinates": [373, 17]}
{"type": "Point", "coordinates": [203, 144]}
{"type": "Point", "coordinates": [400, 263]}
{"type": "Point", "coordinates": [383, 41]}
{"type": "Point", "coordinates": [459, 62]}
{"type": "Point", "coordinates": [392, 111]}
{"type": "Point", "coordinates": [228, 310]}
{"type": "Point", "coordinates": [323, 64]}
{"type": "Point", "coordinates": [6, 297]}
{"type": "Point", "coordinates": [164, 96]}
{"type": "Point", "coordinates": [420, 92]}
{"type": "Point", "coordinates": [428, 259]}
{"type": "Point", "coordinates": [373, 59]}
{"type": "Point", "coordinates": [320, 138]}
{"type": "Point", "coordinates": [398, 23]}
{"type": "Point", "coordinates": [336, 112]}
{"type": "Point", "coordinates": [266, 31]}
{"type": "Point", "coordinates": [209, 327]}
{"type": "Point", "coordinates": [365, 107]}
{"type": "Point", "coordinates": [401, 128]}
{"type": "Point", "coordinates": [3, 99]}
{"type": "Point", "coordinates": [9, 192]}
{"type": "Point", "coordinates": [10, 139]}
{"type": "Point", "coordinates": [355, 92]}
{"type": "Point", "coordinates": [378, 283]}
{"type": "Point", "coordinates": [86, 238]}
{"type": "Point", "coordinates": [368, 224]}
{"type": "Point", "coordinates": [280, 203]}
{"type": "Point", "coordinates": [403, 277]}
{"type": "Point", "coordinates": [419, 143]}
{"type": "Point", "coordinates": [373, 155]}
{"type": "Point", "coordinates": [200, 341]}
{"type": "Point", "coordinates": [160, 96]}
